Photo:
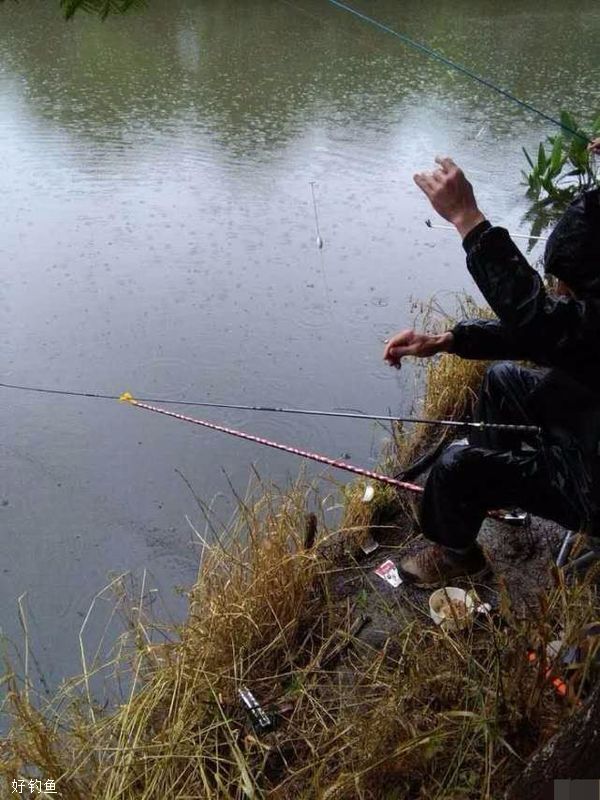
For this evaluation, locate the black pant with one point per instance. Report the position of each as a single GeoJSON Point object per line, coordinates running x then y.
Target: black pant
{"type": "Point", "coordinates": [493, 471]}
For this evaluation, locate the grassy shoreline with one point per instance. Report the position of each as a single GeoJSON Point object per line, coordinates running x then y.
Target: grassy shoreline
{"type": "Point", "coordinates": [415, 713]}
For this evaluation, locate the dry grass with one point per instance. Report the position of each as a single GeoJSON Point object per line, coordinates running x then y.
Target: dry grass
{"type": "Point", "coordinates": [361, 517]}
{"type": "Point", "coordinates": [434, 715]}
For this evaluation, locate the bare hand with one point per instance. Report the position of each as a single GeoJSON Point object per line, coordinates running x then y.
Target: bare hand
{"type": "Point", "coordinates": [411, 343]}
{"type": "Point", "coordinates": [451, 195]}
{"type": "Point", "coordinates": [594, 146]}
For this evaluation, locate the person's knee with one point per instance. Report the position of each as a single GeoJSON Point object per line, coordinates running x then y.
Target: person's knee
{"type": "Point", "coordinates": [499, 375]}
{"type": "Point", "coordinates": [455, 460]}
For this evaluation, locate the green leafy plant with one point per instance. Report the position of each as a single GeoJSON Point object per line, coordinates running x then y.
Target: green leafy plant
{"type": "Point", "coordinates": [564, 166]}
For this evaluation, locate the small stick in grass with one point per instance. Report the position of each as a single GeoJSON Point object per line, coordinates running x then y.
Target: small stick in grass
{"type": "Point", "coordinates": [310, 531]}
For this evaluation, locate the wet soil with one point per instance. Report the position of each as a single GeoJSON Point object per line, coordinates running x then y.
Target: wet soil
{"type": "Point", "coordinates": [522, 559]}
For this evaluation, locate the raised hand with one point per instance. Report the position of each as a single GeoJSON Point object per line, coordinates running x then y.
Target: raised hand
{"type": "Point", "coordinates": [451, 195]}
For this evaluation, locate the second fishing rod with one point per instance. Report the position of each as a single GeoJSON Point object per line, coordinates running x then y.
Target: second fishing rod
{"type": "Point", "coordinates": [349, 414]}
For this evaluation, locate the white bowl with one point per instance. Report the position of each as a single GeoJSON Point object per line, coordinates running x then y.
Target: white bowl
{"type": "Point", "coordinates": [450, 621]}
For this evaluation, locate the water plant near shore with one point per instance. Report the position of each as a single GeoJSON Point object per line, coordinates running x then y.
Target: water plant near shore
{"type": "Point", "coordinates": [564, 166]}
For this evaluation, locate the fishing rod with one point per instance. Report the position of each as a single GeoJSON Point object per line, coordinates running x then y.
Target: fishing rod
{"type": "Point", "coordinates": [533, 429]}
{"type": "Point", "coordinates": [433, 226]}
{"type": "Point", "coordinates": [428, 51]}
{"type": "Point", "coordinates": [126, 397]}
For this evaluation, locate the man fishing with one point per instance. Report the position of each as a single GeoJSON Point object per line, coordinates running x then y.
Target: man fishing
{"type": "Point", "coordinates": [557, 475]}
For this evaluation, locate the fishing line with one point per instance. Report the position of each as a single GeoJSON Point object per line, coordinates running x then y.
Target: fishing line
{"type": "Point", "coordinates": [459, 67]}
{"type": "Point", "coordinates": [433, 226]}
{"type": "Point", "coordinates": [319, 243]}
{"type": "Point", "coordinates": [314, 199]}
{"type": "Point", "coordinates": [283, 410]}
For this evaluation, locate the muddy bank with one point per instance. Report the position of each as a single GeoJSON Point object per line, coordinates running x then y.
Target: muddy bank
{"type": "Point", "coordinates": [521, 557]}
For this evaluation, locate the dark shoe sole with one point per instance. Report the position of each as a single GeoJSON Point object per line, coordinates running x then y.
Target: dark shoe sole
{"type": "Point", "coordinates": [440, 582]}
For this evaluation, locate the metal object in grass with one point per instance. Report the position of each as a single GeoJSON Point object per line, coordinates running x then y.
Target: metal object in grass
{"type": "Point", "coordinates": [590, 554]}
{"type": "Point", "coordinates": [262, 722]}
{"type": "Point", "coordinates": [514, 516]}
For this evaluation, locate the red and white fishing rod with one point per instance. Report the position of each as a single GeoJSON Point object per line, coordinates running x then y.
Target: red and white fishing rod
{"type": "Point", "coordinates": [126, 397]}
{"type": "Point", "coordinates": [331, 462]}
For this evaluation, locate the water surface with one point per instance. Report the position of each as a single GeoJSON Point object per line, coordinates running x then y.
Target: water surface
{"type": "Point", "coordinates": [158, 236]}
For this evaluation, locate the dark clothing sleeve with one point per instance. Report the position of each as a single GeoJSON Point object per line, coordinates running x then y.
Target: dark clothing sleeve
{"type": "Point", "coordinates": [554, 331]}
{"type": "Point", "coordinates": [488, 340]}
{"type": "Point", "coordinates": [484, 339]}
{"type": "Point", "coordinates": [473, 236]}
{"type": "Point", "coordinates": [560, 333]}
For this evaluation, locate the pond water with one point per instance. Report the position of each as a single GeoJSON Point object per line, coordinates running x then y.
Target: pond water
{"type": "Point", "coordinates": [158, 236]}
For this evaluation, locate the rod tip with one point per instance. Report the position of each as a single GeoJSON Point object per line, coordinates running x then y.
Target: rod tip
{"type": "Point", "coordinates": [126, 397]}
